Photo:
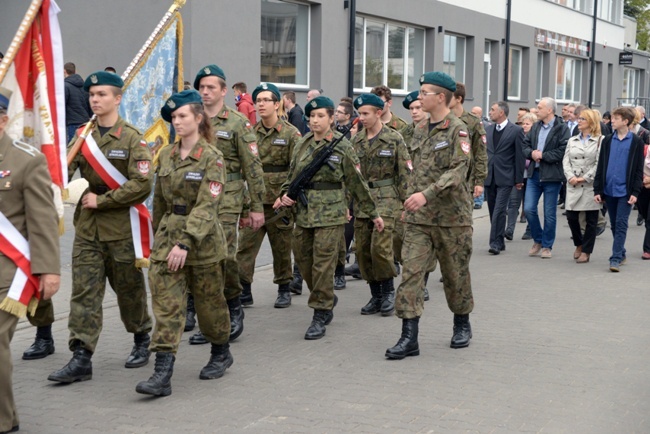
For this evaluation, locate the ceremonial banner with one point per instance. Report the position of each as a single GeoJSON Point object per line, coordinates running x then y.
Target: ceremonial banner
{"type": "Point", "coordinates": [37, 107]}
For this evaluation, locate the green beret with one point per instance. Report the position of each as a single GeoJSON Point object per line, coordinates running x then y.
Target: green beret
{"type": "Point", "coordinates": [413, 96]}
{"type": "Point", "coordinates": [318, 102]}
{"type": "Point", "coordinates": [439, 79]}
{"type": "Point", "coordinates": [103, 78]}
{"type": "Point", "coordinates": [5, 95]}
{"type": "Point", "coordinates": [177, 101]}
{"type": "Point", "coordinates": [208, 71]}
{"type": "Point", "coordinates": [368, 99]}
{"type": "Point", "coordinates": [266, 87]}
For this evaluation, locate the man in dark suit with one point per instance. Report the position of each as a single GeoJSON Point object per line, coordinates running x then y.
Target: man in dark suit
{"type": "Point", "coordinates": [505, 170]}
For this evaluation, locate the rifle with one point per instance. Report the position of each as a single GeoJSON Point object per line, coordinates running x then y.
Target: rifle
{"type": "Point", "coordinates": [299, 184]}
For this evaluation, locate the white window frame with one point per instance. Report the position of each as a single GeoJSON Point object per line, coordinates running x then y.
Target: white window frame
{"type": "Point", "coordinates": [297, 86]}
{"type": "Point", "coordinates": [464, 39]}
{"type": "Point", "coordinates": [577, 81]}
{"type": "Point", "coordinates": [405, 90]}
{"type": "Point", "coordinates": [539, 78]}
{"type": "Point", "coordinates": [631, 88]}
{"type": "Point", "coordinates": [516, 96]}
{"type": "Point", "coordinates": [611, 11]}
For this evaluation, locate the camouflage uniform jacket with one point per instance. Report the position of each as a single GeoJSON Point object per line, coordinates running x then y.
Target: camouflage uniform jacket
{"type": "Point", "coordinates": [407, 134]}
{"type": "Point", "coordinates": [441, 160]}
{"type": "Point", "coordinates": [237, 142]}
{"type": "Point", "coordinates": [276, 147]}
{"type": "Point", "coordinates": [124, 147]}
{"type": "Point", "coordinates": [186, 202]}
{"type": "Point", "coordinates": [385, 161]}
{"type": "Point", "coordinates": [328, 207]}
{"type": "Point", "coordinates": [396, 123]}
{"type": "Point", "coordinates": [478, 166]}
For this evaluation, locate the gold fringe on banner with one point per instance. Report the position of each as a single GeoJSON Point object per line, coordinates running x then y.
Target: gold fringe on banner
{"type": "Point", "coordinates": [13, 307]}
{"type": "Point", "coordinates": [142, 263]}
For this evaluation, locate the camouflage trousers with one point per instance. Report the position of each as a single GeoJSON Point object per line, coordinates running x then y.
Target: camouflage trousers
{"type": "Point", "coordinates": [92, 263]}
{"type": "Point", "coordinates": [8, 323]}
{"type": "Point", "coordinates": [316, 252]}
{"type": "Point", "coordinates": [169, 301]}
{"type": "Point", "coordinates": [340, 260]}
{"type": "Point", "coordinates": [398, 239]}
{"type": "Point", "coordinates": [375, 249]}
{"type": "Point", "coordinates": [250, 241]}
{"type": "Point", "coordinates": [453, 247]}
{"type": "Point", "coordinates": [44, 315]}
{"type": "Point", "coordinates": [232, 286]}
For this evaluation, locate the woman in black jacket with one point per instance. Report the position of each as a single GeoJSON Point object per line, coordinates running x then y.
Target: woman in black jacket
{"type": "Point", "coordinates": [619, 178]}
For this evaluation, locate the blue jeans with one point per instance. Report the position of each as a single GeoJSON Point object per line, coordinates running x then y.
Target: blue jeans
{"type": "Point", "coordinates": [479, 200]}
{"type": "Point", "coordinates": [619, 212]}
{"type": "Point", "coordinates": [70, 130]}
{"type": "Point", "coordinates": [534, 190]}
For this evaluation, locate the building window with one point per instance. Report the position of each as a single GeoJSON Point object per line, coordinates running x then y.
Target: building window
{"type": "Point", "coordinates": [540, 79]}
{"type": "Point", "coordinates": [387, 54]}
{"type": "Point", "coordinates": [611, 10]}
{"type": "Point", "coordinates": [285, 42]}
{"type": "Point", "coordinates": [631, 83]}
{"type": "Point", "coordinates": [597, 83]}
{"type": "Point", "coordinates": [454, 57]}
{"type": "Point", "coordinates": [568, 79]}
{"type": "Point", "coordinates": [578, 5]}
{"type": "Point", "coordinates": [514, 73]}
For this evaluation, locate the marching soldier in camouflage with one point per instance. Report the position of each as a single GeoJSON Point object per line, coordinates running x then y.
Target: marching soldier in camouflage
{"type": "Point", "coordinates": [438, 215]}
{"type": "Point", "coordinates": [189, 245]}
{"type": "Point", "coordinates": [386, 166]}
{"type": "Point", "coordinates": [319, 223]}
{"type": "Point", "coordinates": [103, 245]}
{"type": "Point", "coordinates": [478, 165]}
{"type": "Point", "coordinates": [235, 138]}
{"type": "Point", "coordinates": [276, 140]}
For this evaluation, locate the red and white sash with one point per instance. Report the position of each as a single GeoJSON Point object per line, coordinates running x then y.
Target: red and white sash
{"type": "Point", "coordinates": [24, 287]}
{"type": "Point", "coordinates": [141, 228]}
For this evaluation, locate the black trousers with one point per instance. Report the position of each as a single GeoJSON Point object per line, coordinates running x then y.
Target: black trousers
{"type": "Point", "coordinates": [587, 240]}
{"type": "Point", "coordinates": [497, 199]}
{"type": "Point", "coordinates": [643, 205]}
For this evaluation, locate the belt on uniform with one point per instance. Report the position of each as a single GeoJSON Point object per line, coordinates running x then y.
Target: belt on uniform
{"type": "Point", "coordinates": [235, 176]}
{"type": "Point", "coordinates": [324, 186]}
{"type": "Point", "coordinates": [179, 209]}
{"type": "Point", "coordinates": [100, 189]}
{"type": "Point", "coordinates": [382, 183]}
{"type": "Point", "coordinates": [271, 168]}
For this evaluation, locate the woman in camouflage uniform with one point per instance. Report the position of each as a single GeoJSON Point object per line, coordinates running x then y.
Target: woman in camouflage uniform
{"type": "Point", "coordinates": [189, 245]}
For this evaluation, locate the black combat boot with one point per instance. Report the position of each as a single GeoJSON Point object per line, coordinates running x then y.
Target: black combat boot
{"type": "Point", "coordinates": [190, 314]}
{"type": "Point", "coordinates": [43, 345]}
{"type": "Point", "coordinates": [339, 277]}
{"type": "Point", "coordinates": [330, 313]}
{"type": "Point", "coordinates": [426, 290]}
{"type": "Point", "coordinates": [198, 339]}
{"type": "Point", "coordinates": [296, 283]}
{"type": "Point", "coordinates": [408, 342]}
{"type": "Point", "coordinates": [79, 368]}
{"type": "Point", "coordinates": [388, 300]}
{"type": "Point", "coordinates": [158, 384]}
{"type": "Point", "coordinates": [317, 328]}
{"type": "Point", "coordinates": [374, 305]}
{"type": "Point", "coordinates": [140, 353]}
{"type": "Point", "coordinates": [462, 331]}
{"type": "Point", "coordinates": [236, 318]}
{"type": "Point", "coordinates": [353, 270]}
{"type": "Point", "coordinates": [220, 360]}
{"type": "Point", "coordinates": [246, 296]}
{"type": "Point", "coordinates": [284, 296]}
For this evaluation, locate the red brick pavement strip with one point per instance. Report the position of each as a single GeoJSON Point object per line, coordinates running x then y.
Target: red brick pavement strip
{"type": "Point", "coordinates": [557, 347]}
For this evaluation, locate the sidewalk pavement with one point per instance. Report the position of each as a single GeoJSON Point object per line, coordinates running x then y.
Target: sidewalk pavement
{"type": "Point", "coordinates": [557, 348]}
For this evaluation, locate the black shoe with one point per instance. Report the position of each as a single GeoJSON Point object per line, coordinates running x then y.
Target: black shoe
{"type": "Point", "coordinates": [339, 277]}
{"type": "Point", "coordinates": [140, 353]}
{"type": "Point", "coordinates": [353, 270]}
{"type": "Point", "coordinates": [478, 206]}
{"type": "Point", "coordinates": [236, 318]}
{"type": "Point", "coordinates": [494, 251]}
{"type": "Point", "coordinates": [398, 269]}
{"type": "Point", "coordinates": [374, 305]}
{"type": "Point", "coordinates": [407, 345]}
{"type": "Point", "coordinates": [296, 283]}
{"type": "Point", "coordinates": [246, 296]}
{"type": "Point", "coordinates": [600, 230]}
{"type": "Point", "coordinates": [462, 331]}
{"type": "Point", "coordinates": [388, 299]}
{"type": "Point", "coordinates": [527, 235]}
{"type": "Point", "coordinates": [15, 428]}
{"type": "Point", "coordinates": [284, 296]}
{"type": "Point", "coordinates": [220, 360]}
{"type": "Point", "coordinates": [317, 328]}
{"type": "Point", "coordinates": [426, 294]}
{"type": "Point", "coordinates": [330, 313]}
{"type": "Point", "coordinates": [159, 383]}
{"type": "Point", "coordinates": [522, 219]}
{"type": "Point", "coordinates": [508, 235]}
{"type": "Point", "coordinates": [40, 349]}
{"type": "Point", "coordinates": [190, 314]}
{"type": "Point", "coordinates": [79, 368]}
{"type": "Point", "coordinates": [198, 339]}
{"type": "Point", "coordinates": [425, 290]}
{"type": "Point", "coordinates": [639, 220]}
